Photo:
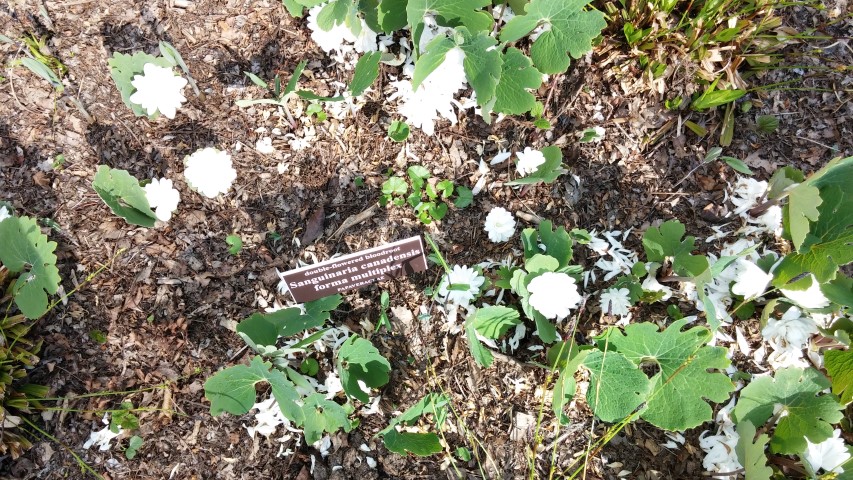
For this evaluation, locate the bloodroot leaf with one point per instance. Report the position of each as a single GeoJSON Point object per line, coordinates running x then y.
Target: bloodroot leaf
{"type": "Point", "coordinates": [493, 322]}
{"type": "Point", "coordinates": [691, 372]}
{"type": "Point", "coordinates": [839, 365]}
{"type": "Point", "coordinates": [232, 390]}
{"type": "Point", "coordinates": [482, 65]}
{"type": "Point", "coordinates": [518, 77]}
{"type": "Point", "coordinates": [616, 386]}
{"type": "Point", "coordinates": [366, 71]}
{"type": "Point", "coordinates": [806, 413]}
{"type": "Point", "coordinates": [323, 415]}
{"type": "Point", "coordinates": [665, 241]}
{"type": "Point", "coordinates": [751, 455]}
{"type": "Point", "coordinates": [827, 243]}
{"type": "Point", "coordinates": [358, 360]}
{"type": "Point", "coordinates": [25, 249]}
{"type": "Point", "coordinates": [569, 30]}
{"type": "Point", "coordinates": [265, 328]}
{"type": "Point", "coordinates": [421, 444]}
{"type": "Point", "coordinates": [481, 354]}
{"type": "Point", "coordinates": [448, 13]}
{"type": "Point", "coordinates": [121, 192]}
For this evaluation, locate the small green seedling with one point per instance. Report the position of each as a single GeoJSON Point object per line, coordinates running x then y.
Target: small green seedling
{"type": "Point", "coordinates": [428, 196]}
{"type": "Point", "coordinates": [309, 367]}
{"type": "Point", "coordinates": [398, 131]}
{"type": "Point", "coordinates": [316, 110]}
{"type": "Point", "coordinates": [133, 446]}
{"type": "Point", "coordinates": [98, 336]}
{"type": "Point", "coordinates": [235, 244]}
{"type": "Point", "coordinates": [766, 123]}
{"type": "Point", "coordinates": [384, 301]}
{"type": "Point", "coordinates": [124, 418]}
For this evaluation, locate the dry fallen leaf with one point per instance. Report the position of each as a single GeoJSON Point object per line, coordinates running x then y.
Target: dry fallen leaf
{"type": "Point", "coordinates": [314, 226]}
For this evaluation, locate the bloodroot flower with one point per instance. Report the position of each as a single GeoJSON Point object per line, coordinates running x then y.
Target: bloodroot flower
{"type": "Point", "coordinates": [553, 295]}
{"type": "Point", "coordinates": [159, 89]}
{"type": "Point", "coordinates": [499, 225]}
{"type": "Point", "coordinates": [461, 286]}
{"type": "Point", "coordinates": [210, 171]}
{"type": "Point", "coordinates": [528, 161]}
{"type": "Point", "coordinates": [163, 198]}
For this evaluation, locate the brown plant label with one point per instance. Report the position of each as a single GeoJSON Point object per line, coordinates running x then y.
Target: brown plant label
{"type": "Point", "coordinates": [356, 270]}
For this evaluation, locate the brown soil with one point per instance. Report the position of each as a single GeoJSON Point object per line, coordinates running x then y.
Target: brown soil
{"type": "Point", "coordinates": [169, 297]}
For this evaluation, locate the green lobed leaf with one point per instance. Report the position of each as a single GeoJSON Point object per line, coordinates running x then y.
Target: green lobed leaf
{"type": "Point", "coordinates": [321, 416]}
{"type": "Point", "coordinates": [548, 171]}
{"type": "Point", "coordinates": [541, 263]}
{"type": "Point", "coordinates": [358, 359]}
{"type": "Point", "coordinates": [803, 203]}
{"type": "Point", "coordinates": [688, 265]}
{"type": "Point", "coordinates": [751, 455]}
{"type": "Point", "coordinates": [690, 372]}
{"type": "Point", "coordinates": [494, 321]}
{"type": "Point", "coordinates": [445, 187]}
{"type": "Point", "coordinates": [530, 242]}
{"type": "Point", "coordinates": [569, 31]}
{"type": "Point", "coordinates": [122, 70]}
{"type": "Point", "coordinates": [839, 366]}
{"type": "Point", "coordinates": [232, 390]}
{"type": "Point", "coordinates": [390, 15]}
{"type": "Point", "coordinates": [133, 446]}
{"type": "Point", "coordinates": [265, 328]}
{"type": "Point", "coordinates": [839, 290]}
{"type": "Point", "coordinates": [482, 355]}
{"type": "Point", "coordinates": [431, 403]}
{"type": "Point", "coordinates": [807, 412]}
{"type": "Point", "coordinates": [436, 50]}
{"type": "Point", "coordinates": [121, 192]}
{"type": "Point", "coordinates": [333, 13]}
{"type": "Point", "coordinates": [781, 180]}
{"type": "Point", "coordinates": [28, 252]}
{"type": "Point", "coordinates": [482, 65]}
{"type": "Point", "coordinates": [828, 244]}
{"type": "Point", "coordinates": [366, 72]}
{"type": "Point", "coordinates": [766, 123]}
{"type": "Point", "coordinates": [294, 8]}
{"type": "Point", "coordinates": [464, 197]}
{"type": "Point", "coordinates": [448, 13]}
{"type": "Point", "coordinates": [616, 385]}
{"type": "Point", "coordinates": [417, 172]}
{"type": "Point", "coordinates": [394, 185]}
{"type": "Point", "coordinates": [665, 241]}
{"type": "Point", "coordinates": [518, 77]}
{"type": "Point", "coordinates": [558, 242]}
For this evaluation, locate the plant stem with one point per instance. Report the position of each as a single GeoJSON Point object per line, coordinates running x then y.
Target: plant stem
{"type": "Point", "coordinates": [82, 463]}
